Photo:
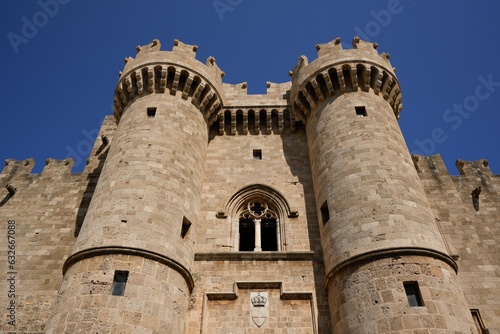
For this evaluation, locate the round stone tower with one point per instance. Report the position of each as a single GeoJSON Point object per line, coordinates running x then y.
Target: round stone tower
{"type": "Point", "coordinates": [387, 266]}
{"type": "Point", "coordinates": [130, 270]}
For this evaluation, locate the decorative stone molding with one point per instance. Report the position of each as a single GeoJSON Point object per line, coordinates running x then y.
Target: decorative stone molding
{"type": "Point", "coordinates": [176, 72]}
{"type": "Point", "coordinates": [389, 252]}
{"type": "Point", "coordinates": [256, 120]}
{"type": "Point", "coordinates": [100, 251]}
{"type": "Point", "coordinates": [161, 77]}
{"type": "Point", "coordinates": [260, 191]}
{"type": "Point", "coordinates": [254, 256]}
{"type": "Point", "coordinates": [256, 285]}
{"type": "Point", "coordinates": [259, 300]}
{"type": "Point", "coordinates": [338, 71]}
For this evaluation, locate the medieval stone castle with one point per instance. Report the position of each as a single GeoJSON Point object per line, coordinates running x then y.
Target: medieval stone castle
{"type": "Point", "coordinates": [204, 209]}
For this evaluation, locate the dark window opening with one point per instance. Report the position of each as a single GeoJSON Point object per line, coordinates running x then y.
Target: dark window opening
{"type": "Point", "coordinates": [360, 111]}
{"type": "Point", "coordinates": [479, 321]}
{"type": "Point", "coordinates": [346, 72]}
{"type": "Point", "coordinates": [119, 282]}
{"type": "Point", "coordinates": [475, 198]}
{"type": "Point", "coordinates": [227, 122]}
{"type": "Point", "coordinates": [257, 154]}
{"type": "Point", "coordinates": [274, 121]}
{"type": "Point", "coordinates": [239, 122]}
{"type": "Point", "coordinates": [268, 235]}
{"type": "Point", "coordinates": [251, 122]}
{"type": "Point", "coordinates": [186, 224]}
{"type": "Point", "coordinates": [413, 294]}
{"type": "Point", "coordinates": [263, 121]}
{"type": "Point", "coordinates": [151, 112]}
{"type": "Point", "coordinates": [247, 235]}
{"type": "Point", "coordinates": [325, 213]}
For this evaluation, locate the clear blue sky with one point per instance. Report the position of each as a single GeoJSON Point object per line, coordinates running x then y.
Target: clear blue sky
{"type": "Point", "coordinates": [58, 79]}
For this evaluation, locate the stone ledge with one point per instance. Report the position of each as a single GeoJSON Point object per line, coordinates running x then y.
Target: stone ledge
{"type": "Point", "coordinates": [259, 256]}
{"type": "Point", "coordinates": [121, 250]}
{"type": "Point", "coordinates": [391, 252]}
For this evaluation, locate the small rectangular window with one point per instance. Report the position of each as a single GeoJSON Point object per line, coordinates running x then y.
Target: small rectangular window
{"type": "Point", "coordinates": [325, 213]}
{"type": "Point", "coordinates": [119, 282]}
{"type": "Point", "coordinates": [151, 112]}
{"type": "Point", "coordinates": [186, 224]}
{"type": "Point", "coordinates": [413, 294]}
{"type": "Point", "coordinates": [257, 154]}
{"type": "Point", "coordinates": [360, 111]}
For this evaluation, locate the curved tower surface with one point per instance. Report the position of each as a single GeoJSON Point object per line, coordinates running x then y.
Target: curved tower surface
{"type": "Point", "coordinates": [381, 245]}
{"type": "Point", "coordinates": [206, 209]}
{"type": "Point", "coordinates": [140, 228]}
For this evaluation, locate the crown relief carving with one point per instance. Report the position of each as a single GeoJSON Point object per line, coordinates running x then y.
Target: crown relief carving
{"type": "Point", "coordinates": [259, 300]}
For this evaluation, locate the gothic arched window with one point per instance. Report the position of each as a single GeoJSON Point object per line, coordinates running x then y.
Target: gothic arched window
{"type": "Point", "coordinates": [259, 228]}
{"type": "Point", "coordinates": [258, 215]}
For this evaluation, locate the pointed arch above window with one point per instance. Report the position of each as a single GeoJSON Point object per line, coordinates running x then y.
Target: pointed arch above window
{"type": "Point", "coordinates": [258, 215]}
{"type": "Point", "coordinates": [255, 191]}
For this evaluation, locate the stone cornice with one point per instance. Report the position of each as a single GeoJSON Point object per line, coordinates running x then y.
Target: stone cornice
{"type": "Point", "coordinates": [258, 256]}
{"type": "Point", "coordinates": [391, 252]}
{"type": "Point", "coordinates": [119, 250]}
{"type": "Point", "coordinates": [175, 72]}
{"type": "Point", "coordinates": [162, 77]}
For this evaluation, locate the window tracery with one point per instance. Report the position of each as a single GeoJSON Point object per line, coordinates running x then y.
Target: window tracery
{"type": "Point", "coordinates": [259, 228]}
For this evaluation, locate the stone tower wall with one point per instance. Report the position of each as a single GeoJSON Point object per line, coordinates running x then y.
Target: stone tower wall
{"type": "Point", "coordinates": [284, 167]}
{"type": "Point", "coordinates": [372, 204]}
{"type": "Point", "coordinates": [48, 210]}
{"type": "Point", "coordinates": [470, 227]}
{"type": "Point", "coordinates": [144, 213]}
{"type": "Point", "coordinates": [391, 220]}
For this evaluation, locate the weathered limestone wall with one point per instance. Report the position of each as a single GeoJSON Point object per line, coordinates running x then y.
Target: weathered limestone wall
{"type": "Point", "coordinates": [376, 289]}
{"type": "Point", "coordinates": [230, 166]}
{"type": "Point", "coordinates": [284, 167]}
{"type": "Point", "coordinates": [155, 301]}
{"type": "Point", "coordinates": [471, 236]}
{"type": "Point", "coordinates": [150, 181]}
{"type": "Point", "coordinates": [364, 171]}
{"type": "Point", "coordinates": [45, 210]}
{"type": "Point", "coordinates": [147, 200]}
{"type": "Point", "coordinates": [367, 190]}
{"type": "Point", "coordinates": [48, 210]}
{"type": "Point", "coordinates": [221, 301]}
{"type": "Point", "coordinates": [194, 162]}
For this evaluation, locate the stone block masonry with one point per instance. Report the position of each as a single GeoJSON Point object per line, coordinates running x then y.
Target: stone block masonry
{"type": "Point", "coordinates": [205, 209]}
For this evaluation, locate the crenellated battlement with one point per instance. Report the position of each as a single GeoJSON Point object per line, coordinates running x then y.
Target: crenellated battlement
{"type": "Point", "coordinates": [237, 96]}
{"type": "Point", "coordinates": [337, 71]}
{"type": "Point", "coordinates": [13, 166]}
{"type": "Point", "coordinates": [176, 72]}
{"type": "Point", "coordinates": [193, 180]}
{"type": "Point", "coordinates": [55, 167]}
{"type": "Point", "coordinates": [25, 167]}
{"type": "Point", "coordinates": [473, 167]}
{"type": "Point", "coordinates": [435, 164]}
{"type": "Point", "coordinates": [256, 120]}
{"type": "Point", "coordinates": [244, 113]}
